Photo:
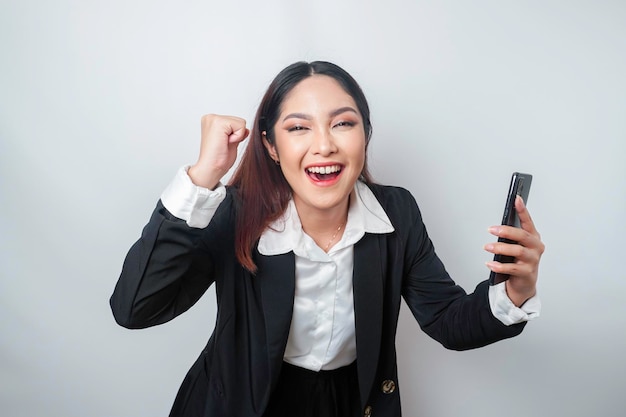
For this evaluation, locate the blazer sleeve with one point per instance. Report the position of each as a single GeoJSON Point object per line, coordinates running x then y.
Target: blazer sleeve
{"type": "Point", "coordinates": [443, 310]}
{"type": "Point", "coordinates": [167, 270]}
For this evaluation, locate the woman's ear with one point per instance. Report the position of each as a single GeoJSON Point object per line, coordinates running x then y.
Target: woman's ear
{"type": "Point", "coordinates": [271, 148]}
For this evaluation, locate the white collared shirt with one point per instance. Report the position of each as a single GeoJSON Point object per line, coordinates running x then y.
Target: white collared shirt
{"type": "Point", "coordinates": [322, 333]}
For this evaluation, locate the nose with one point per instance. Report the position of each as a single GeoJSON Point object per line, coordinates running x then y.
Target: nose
{"type": "Point", "coordinates": [323, 143]}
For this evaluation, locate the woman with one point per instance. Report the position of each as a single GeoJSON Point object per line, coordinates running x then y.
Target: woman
{"type": "Point", "coordinates": [310, 259]}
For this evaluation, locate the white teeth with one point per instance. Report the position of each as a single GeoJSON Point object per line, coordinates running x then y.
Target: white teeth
{"type": "Point", "coordinates": [324, 170]}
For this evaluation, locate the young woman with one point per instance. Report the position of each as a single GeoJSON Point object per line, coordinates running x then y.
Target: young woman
{"type": "Point", "coordinates": [310, 259]}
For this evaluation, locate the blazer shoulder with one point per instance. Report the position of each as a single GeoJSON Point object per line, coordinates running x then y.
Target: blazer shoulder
{"type": "Point", "coordinates": [398, 202]}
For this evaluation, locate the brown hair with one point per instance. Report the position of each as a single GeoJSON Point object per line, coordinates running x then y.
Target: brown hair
{"type": "Point", "coordinates": [262, 192]}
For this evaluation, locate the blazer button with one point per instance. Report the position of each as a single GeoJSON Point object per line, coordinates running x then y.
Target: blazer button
{"type": "Point", "coordinates": [388, 386]}
{"type": "Point", "coordinates": [368, 411]}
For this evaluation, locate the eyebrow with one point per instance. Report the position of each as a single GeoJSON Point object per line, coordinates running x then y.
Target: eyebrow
{"type": "Point", "coordinates": [331, 114]}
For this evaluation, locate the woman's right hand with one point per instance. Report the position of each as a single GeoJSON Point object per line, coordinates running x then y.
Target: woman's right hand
{"type": "Point", "coordinates": [221, 135]}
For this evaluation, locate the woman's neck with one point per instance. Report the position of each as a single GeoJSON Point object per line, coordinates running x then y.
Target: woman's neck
{"type": "Point", "coordinates": [326, 226]}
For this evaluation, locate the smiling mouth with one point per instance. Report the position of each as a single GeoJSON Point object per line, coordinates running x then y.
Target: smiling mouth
{"type": "Point", "coordinates": [324, 173]}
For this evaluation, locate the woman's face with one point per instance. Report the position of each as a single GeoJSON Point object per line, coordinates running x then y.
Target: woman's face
{"type": "Point", "coordinates": [319, 140]}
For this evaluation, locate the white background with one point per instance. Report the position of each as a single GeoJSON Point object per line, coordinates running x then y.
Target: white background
{"type": "Point", "coordinates": [100, 103]}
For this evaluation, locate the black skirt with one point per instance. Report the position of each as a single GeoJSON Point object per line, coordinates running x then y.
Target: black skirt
{"type": "Point", "coordinates": [304, 393]}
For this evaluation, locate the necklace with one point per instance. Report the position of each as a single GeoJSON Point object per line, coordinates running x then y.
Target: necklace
{"type": "Point", "coordinates": [332, 239]}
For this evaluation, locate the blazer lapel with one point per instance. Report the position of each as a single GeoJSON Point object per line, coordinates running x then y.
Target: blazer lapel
{"type": "Point", "coordinates": [276, 277]}
{"type": "Point", "coordinates": [368, 307]}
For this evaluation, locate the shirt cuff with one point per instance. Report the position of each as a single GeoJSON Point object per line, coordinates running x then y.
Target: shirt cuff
{"type": "Point", "coordinates": [508, 313]}
{"type": "Point", "coordinates": [191, 203]}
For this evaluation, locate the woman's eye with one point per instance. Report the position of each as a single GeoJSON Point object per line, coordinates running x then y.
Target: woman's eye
{"type": "Point", "coordinates": [345, 123]}
{"type": "Point", "coordinates": [295, 128]}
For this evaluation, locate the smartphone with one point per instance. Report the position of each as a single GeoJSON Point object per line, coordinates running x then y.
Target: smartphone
{"type": "Point", "coordinates": [520, 185]}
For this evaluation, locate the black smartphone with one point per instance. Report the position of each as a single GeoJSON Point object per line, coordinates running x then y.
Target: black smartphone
{"type": "Point", "coordinates": [520, 185]}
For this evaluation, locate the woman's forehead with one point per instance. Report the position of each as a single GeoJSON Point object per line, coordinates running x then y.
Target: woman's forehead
{"type": "Point", "coordinates": [317, 93]}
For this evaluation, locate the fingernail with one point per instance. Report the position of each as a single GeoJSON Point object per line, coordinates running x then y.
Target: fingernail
{"type": "Point", "coordinates": [489, 247]}
{"type": "Point", "coordinates": [494, 230]}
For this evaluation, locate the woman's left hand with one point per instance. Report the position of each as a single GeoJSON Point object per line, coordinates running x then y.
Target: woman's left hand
{"type": "Point", "coordinates": [522, 283]}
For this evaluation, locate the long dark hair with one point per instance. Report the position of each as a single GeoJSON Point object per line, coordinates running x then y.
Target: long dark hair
{"type": "Point", "coordinates": [262, 191]}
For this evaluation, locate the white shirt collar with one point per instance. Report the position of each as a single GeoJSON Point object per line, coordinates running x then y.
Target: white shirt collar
{"type": "Point", "coordinates": [365, 215]}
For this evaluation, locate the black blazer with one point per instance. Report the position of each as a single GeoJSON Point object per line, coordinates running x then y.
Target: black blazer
{"type": "Point", "coordinates": [169, 268]}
